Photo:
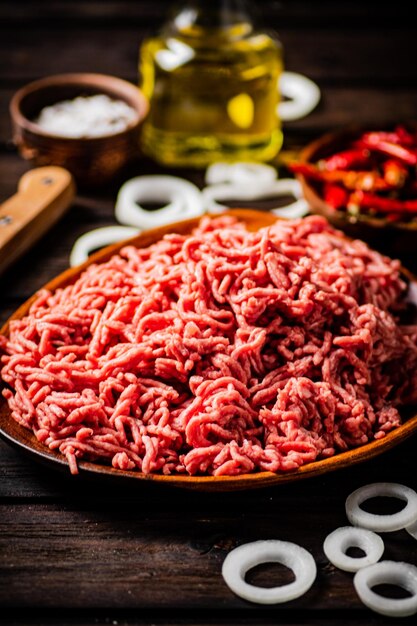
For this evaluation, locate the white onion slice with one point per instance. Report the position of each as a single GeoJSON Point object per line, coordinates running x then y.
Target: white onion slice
{"type": "Point", "coordinates": [98, 238]}
{"type": "Point", "coordinates": [240, 172]}
{"type": "Point", "coordinates": [303, 94]}
{"type": "Point", "coordinates": [239, 561]}
{"type": "Point", "coordinates": [291, 187]}
{"type": "Point", "coordinates": [388, 572]}
{"type": "Point", "coordinates": [183, 200]}
{"type": "Point", "coordinates": [336, 544]}
{"type": "Point", "coordinates": [233, 191]}
{"type": "Point", "coordinates": [382, 523]}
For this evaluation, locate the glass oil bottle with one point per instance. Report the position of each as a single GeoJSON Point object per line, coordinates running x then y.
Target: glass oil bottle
{"type": "Point", "coordinates": [211, 79]}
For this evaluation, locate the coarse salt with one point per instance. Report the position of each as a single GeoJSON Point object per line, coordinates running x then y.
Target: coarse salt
{"type": "Point", "coordinates": [86, 116]}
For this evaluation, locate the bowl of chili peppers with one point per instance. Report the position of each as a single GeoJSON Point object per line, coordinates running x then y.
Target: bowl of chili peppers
{"type": "Point", "coordinates": [365, 183]}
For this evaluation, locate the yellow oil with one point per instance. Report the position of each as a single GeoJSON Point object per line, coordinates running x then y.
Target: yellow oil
{"type": "Point", "coordinates": [213, 94]}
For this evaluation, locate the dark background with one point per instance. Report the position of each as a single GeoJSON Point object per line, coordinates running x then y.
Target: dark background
{"type": "Point", "coordinates": [73, 552]}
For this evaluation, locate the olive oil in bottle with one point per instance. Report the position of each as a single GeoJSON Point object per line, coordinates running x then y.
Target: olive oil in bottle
{"type": "Point", "coordinates": [211, 79]}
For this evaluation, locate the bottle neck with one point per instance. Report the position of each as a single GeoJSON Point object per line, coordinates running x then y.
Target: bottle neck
{"type": "Point", "coordinates": [212, 14]}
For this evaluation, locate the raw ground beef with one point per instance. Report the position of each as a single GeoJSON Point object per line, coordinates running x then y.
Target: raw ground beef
{"type": "Point", "coordinates": [221, 352]}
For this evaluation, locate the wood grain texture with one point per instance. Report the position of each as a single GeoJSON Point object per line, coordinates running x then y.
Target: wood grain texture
{"type": "Point", "coordinates": [113, 49]}
{"type": "Point", "coordinates": [164, 617]}
{"type": "Point", "coordinates": [296, 12]}
{"type": "Point", "coordinates": [131, 556]}
{"type": "Point", "coordinates": [57, 531]}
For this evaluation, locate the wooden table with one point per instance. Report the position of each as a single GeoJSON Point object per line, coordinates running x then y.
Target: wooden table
{"type": "Point", "coordinates": [76, 552]}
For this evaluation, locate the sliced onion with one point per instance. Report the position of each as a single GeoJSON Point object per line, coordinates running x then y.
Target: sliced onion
{"type": "Point", "coordinates": [336, 544]}
{"type": "Point", "coordinates": [239, 561]}
{"type": "Point", "coordinates": [183, 200]}
{"type": "Point", "coordinates": [382, 523]}
{"type": "Point", "coordinates": [96, 239]}
{"type": "Point", "coordinates": [302, 93]}
{"type": "Point", "coordinates": [388, 572]}
{"type": "Point", "coordinates": [240, 173]}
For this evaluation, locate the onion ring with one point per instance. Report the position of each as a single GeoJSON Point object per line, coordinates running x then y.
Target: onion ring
{"type": "Point", "coordinates": [382, 523]}
{"type": "Point", "coordinates": [233, 191]}
{"type": "Point", "coordinates": [240, 173]}
{"type": "Point", "coordinates": [336, 544]}
{"type": "Point", "coordinates": [247, 556]}
{"type": "Point", "coordinates": [388, 572]}
{"type": "Point", "coordinates": [96, 239]}
{"type": "Point", "coordinates": [303, 94]}
{"type": "Point", "coordinates": [184, 201]}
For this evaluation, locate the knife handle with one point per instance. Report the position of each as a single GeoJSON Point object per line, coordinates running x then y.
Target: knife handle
{"type": "Point", "coordinates": [43, 195]}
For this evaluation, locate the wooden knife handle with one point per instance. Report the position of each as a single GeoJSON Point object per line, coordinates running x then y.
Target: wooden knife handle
{"type": "Point", "coordinates": [43, 195]}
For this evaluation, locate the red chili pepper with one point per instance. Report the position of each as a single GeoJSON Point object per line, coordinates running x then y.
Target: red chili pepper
{"type": "Point", "coordinates": [337, 197]}
{"type": "Point", "coordinates": [381, 135]}
{"type": "Point", "coordinates": [346, 160]}
{"type": "Point", "coordinates": [306, 169]}
{"type": "Point", "coordinates": [373, 141]}
{"type": "Point", "coordinates": [399, 136]}
{"type": "Point", "coordinates": [395, 172]}
{"type": "Point", "coordinates": [405, 137]}
{"type": "Point", "coordinates": [393, 217]}
{"type": "Point", "coordinates": [365, 200]}
{"type": "Point", "coordinates": [368, 181]}
{"type": "Point", "coordinates": [376, 162]}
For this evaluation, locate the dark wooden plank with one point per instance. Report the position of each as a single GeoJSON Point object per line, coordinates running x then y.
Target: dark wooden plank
{"type": "Point", "coordinates": [70, 546]}
{"type": "Point", "coordinates": [162, 617]}
{"type": "Point", "coordinates": [90, 12]}
{"type": "Point", "coordinates": [329, 56]}
{"type": "Point", "coordinates": [139, 557]}
{"type": "Point", "coordinates": [295, 12]}
{"type": "Point", "coordinates": [11, 169]}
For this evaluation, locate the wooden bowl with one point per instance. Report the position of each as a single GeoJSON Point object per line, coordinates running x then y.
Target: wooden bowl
{"type": "Point", "coordinates": [24, 439]}
{"type": "Point", "coordinates": [396, 239]}
{"type": "Point", "coordinates": [92, 161]}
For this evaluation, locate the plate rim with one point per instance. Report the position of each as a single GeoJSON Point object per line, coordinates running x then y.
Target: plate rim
{"type": "Point", "coordinates": [29, 445]}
